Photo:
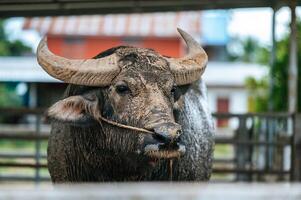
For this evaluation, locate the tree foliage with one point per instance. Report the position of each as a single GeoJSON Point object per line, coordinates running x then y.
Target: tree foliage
{"type": "Point", "coordinates": [11, 48]}
{"type": "Point", "coordinates": [252, 51]}
{"type": "Point", "coordinates": [248, 50]}
{"type": "Point", "coordinates": [8, 96]}
{"type": "Point", "coordinates": [258, 101]}
{"type": "Point", "coordinates": [280, 72]}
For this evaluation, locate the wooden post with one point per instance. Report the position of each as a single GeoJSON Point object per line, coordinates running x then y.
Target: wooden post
{"type": "Point", "coordinates": [293, 94]}
{"type": "Point", "coordinates": [293, 62]}
{"type": "Point", "coordinates": [38, 149]}
{"type": "Point", "coordinates": [242, 151]}
{"type": "Point", "coordinates": [296, 149]}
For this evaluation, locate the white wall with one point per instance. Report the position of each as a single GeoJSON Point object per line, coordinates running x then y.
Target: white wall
{"type": "Point", "coordinates": [238, 101]}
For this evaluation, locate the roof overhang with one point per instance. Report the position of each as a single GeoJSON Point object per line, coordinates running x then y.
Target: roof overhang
{"type": "Point", "coordinates": [13, 8]}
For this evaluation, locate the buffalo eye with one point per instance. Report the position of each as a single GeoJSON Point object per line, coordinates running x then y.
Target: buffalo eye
{"type": "Point", "coordinates": [122, 89]}
{"type": "Point", "coordinates": [176, 92]}
{"type": "Point", "coordinates": [173, 90]}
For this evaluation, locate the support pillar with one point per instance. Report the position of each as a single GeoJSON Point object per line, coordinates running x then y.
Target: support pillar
{"type": "Point", "coordinates": [293, 95]}
{"type": "Point", "coordinates": [272, 62]}
{"type": "Point", "coordinates": [293, 62]}
{"type": "Point", "coordinates": [296, 149]}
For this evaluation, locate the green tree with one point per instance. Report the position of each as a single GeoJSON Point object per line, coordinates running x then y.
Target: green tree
{"type": "Point", "coordinates": [8, 96]}
{"type": "Point", "coordinates": [253, 52]}
{"type": "Point", "coordinates": [248, 50]}
{"type": "Point", "coordinates": [258, 101]}
{"type": "Point", "coordinates": [280, 76]}
{"type": "Point", "coordinates": [280, 72]}
{"type": "Point", "coordinates": [11, 48]}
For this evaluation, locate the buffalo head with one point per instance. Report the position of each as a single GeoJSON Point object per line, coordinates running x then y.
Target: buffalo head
{"type": "Point", "coordinates": [131, 86]}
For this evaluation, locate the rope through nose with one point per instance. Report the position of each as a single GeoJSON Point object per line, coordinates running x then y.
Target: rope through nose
{"type": "Point", "coordinates": [170, 169]}
{"type": "Point", "coordinates": [145, 131]}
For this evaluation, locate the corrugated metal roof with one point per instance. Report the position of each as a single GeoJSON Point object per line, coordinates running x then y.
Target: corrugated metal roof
{"type": "Point", "coordinates": [10, 8]}
{"type": "Point", "coordinates": [26, 69]}
{"type": "Point", "coordinates": [146, 24]}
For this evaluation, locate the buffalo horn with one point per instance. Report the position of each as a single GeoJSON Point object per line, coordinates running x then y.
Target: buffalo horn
{"type": "Point", "coordinates": [190, 67]}
{"type": "Point", "coordinates": [89, 72]}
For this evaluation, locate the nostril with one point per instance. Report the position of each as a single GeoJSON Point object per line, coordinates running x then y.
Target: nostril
{"type": "Point", "coordinates": [167, 133]}
{"type": "Point", "coordinates": [178, 139]}
{"type": "Point", "coordinates": [162, 138]}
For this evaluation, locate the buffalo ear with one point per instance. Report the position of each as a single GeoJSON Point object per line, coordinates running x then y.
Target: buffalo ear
{"type": "Point", "coordinates": [75, 109]}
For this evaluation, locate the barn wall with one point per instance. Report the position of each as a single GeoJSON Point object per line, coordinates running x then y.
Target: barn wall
{"type": "Point", "coordinates": [88, 46]}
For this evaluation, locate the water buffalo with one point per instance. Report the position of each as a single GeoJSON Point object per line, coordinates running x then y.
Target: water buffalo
{"type": "Point", "coordinates": [130, 114]}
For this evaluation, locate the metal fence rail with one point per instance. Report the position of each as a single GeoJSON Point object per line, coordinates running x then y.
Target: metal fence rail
{"type": "Point", "coordinates": [31, 134]}
{"type": "Point", "coordinates": [264, 145]}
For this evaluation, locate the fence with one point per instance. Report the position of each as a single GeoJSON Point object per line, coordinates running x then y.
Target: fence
{"type": "Point", "coordinates": [29, 133]}
{"type": "Point", "coordinates": [262, 146]}
{"type": "Point", "coordinates": [251, 147]}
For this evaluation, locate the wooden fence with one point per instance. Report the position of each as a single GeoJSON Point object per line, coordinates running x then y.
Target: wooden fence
{"type": "Point", "coordinates": [264, 147]}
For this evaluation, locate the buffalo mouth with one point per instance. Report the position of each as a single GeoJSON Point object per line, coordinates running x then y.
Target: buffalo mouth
{"type": "Point", "coordinates": [165, 151]}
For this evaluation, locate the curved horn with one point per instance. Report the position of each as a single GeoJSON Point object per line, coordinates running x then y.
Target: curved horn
{"type": "Point", "coordinates": [90, 72]}
{"type": "Point", "coordinates": [189, 68]}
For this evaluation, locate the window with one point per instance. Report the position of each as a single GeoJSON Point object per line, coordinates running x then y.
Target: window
{"type": "Point", "coordinates": [222, 107]}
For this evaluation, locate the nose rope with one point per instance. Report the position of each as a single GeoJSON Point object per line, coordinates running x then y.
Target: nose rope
{"type": "Point", "coordinates": [145, 131]}
{"type": "Point", "coordinates": [170, 169]}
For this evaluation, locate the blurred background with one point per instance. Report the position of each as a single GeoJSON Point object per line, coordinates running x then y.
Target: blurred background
{"type": "Point", "coordinates": [252, 78]}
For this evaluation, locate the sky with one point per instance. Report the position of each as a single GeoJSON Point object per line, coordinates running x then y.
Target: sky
{"type": "Point", "coordinates": [257, 23]}
{"type": "Point", "coordinates": [243, 23]}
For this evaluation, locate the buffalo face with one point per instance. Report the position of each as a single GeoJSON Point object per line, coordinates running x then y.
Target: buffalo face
{"type": "Point", "coordinates": [143, 95]}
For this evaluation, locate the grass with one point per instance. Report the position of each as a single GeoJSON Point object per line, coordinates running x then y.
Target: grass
{"type": "Point", "coordinates": [21, 146]}
{"type": "Point", "coordinates": [223, 151]}
{"type": "Point", "coordinates": [17, 146]}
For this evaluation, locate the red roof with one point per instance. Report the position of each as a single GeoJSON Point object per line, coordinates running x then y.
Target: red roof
{"type": "Point", "coordinates": [140, 25]}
